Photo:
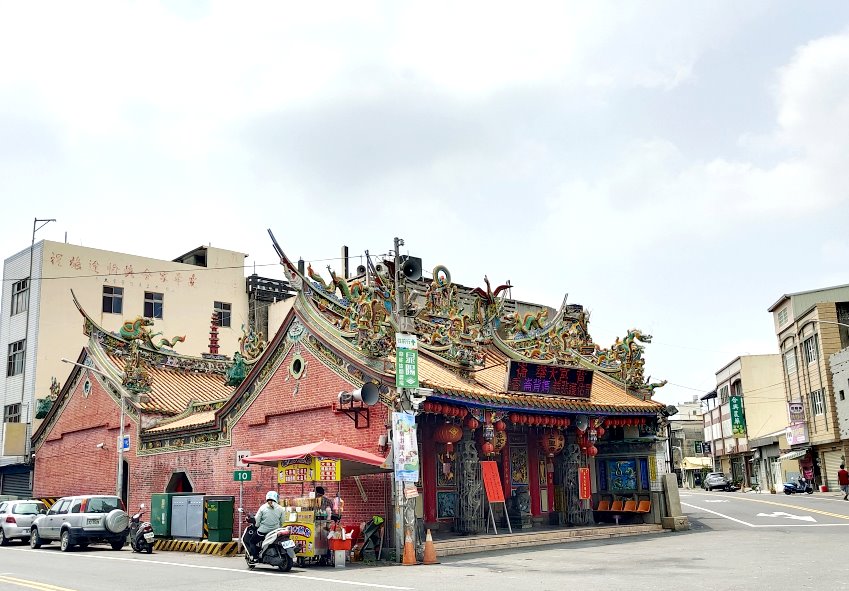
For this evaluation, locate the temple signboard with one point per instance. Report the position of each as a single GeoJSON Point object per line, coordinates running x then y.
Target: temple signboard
{"type": "Point", "coordinates": [536, 378]}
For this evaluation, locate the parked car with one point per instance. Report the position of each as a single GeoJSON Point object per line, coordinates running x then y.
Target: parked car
{"type": "Point", "coordinates": [80, 521]}
{"type": "Point", "coordinates": [716, 480]}
{"type": "Point", "coordinates": [16, 517]}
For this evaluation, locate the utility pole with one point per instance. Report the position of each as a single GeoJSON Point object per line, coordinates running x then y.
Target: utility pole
{"type": "Point", "coordinates": [399, 485]}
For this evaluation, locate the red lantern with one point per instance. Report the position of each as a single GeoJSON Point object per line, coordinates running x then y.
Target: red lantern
{"type": "Point", "coordinates": [552, 442]}
{"type": "Point", "coordinates": [437, 408]}
{"type": "Point", "coordinates": [513, 418]}
{"type": "Point", "coordinates": [487, 448]}
{"type": "Point", "coordinates": [472, 423]}
{"type": "Point", "coordinates": [600, 432]}
{"type": "Point", "coordinates": [500, 426]}
{"type": "Point", "coordinates": [592, 451]}
{"type": "Point", "coordinates": [448, 433]}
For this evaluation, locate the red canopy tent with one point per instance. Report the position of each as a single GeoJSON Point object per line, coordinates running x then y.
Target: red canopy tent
{"type": "Point", "coordinates": [354, 462]}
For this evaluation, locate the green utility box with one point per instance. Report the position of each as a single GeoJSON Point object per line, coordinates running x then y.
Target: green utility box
{"type": "Point", "coordinates": [219, 518]}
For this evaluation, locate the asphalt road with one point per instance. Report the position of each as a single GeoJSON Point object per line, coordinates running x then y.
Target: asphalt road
{"type": "Point", "coordinates": [737, 541]}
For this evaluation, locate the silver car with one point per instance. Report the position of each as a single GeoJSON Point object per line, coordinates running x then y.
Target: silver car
{"type": "Point", "coordinates": [16, 517]}
{"type": "Point", "coordinates": [80, 521]}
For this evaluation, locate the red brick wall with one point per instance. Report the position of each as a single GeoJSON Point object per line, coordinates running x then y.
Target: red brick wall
{"type": "Point", "coordinates": [280, 416]}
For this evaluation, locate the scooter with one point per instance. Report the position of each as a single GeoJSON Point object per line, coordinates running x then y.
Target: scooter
{"type": "Point", "coordinates": [276, 548]}
{"type": "Point", "coordinates": [802, 486]}
{"type": "Point", "coordinates": [141, 533]}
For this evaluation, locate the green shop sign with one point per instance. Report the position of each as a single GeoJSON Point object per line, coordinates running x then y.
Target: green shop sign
{"type": "Point", "coordinates": [738, 417]}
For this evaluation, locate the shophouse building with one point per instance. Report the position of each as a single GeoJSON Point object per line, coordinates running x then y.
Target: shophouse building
{"type": "Point", "coordinates": [744, 418]}
{"type": "Point", "coordinates": [40, 324]}
{"type": "Point", "coordinates": [810, 327]}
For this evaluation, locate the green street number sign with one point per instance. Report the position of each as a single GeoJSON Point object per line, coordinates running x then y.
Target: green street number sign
{"type": "Point", "coordinates": [242, 475]}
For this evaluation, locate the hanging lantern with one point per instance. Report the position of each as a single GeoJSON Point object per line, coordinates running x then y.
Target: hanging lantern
{"type": "Point", "coordinates": [600, 432]}
{"type": "Point", "coordinates": [514, 418]}
{"type": "Point", "coordinates": [487, 448]}
{"type": "Point", "coordinates": [500, 426]}
{"type": "Point", "coordinates": [437, 408]}
{"type": "Point", "coordinates": [499, 441]}
{"type": "Point", "coordinates": [552, 442]}
{"type": "Point", "coordinates": [449, 434]}
{"type": "Point", "coordinates": [592, 451]}
{"type": "Point", "coordinates": [472, 423]}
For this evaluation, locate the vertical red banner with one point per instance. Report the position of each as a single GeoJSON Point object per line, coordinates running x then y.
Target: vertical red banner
{"type": "Point", "coordinates": [492, 482]}
{"type": "Point", "coordinates": [585, 487]}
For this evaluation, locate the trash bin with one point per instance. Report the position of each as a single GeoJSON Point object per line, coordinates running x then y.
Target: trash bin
{"type": "Point", "coordinates": [219, 518]}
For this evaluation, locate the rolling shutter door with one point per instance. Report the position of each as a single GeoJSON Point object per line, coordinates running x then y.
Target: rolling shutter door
{"type": "Point", "coordinates": [17, 484]}
{"type": "Point", "coordinates": [832, 460]}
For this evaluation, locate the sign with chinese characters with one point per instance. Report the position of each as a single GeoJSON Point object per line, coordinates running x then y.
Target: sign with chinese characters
{"type": "Point", "coordinates": [796, 411]}
{"type": "Point", "coordinates": [289, 472]}
{"type": "Point", "coordinates": [405, 447]}
{"type": "Point", "coordinates": [706, 447]}
{"type": "Point", "coordinates": [327, 470]}
{"type": "Point", "coordinates": [797, 433]}
{"type": "Point", "coordinates": [738, 417]}
{"type": "Point", "coordinates": [585, 487]}
{"type": "Point", "coordinates": [697, 447]}
{"type": "Point", "coordinates": [406, 361]}
{"type": "Point", "coordinates": [241, 455]}
{"type": "Point", "coordinates": [492, 482]}
{"type": "Point", "coordinates": [535, 378]}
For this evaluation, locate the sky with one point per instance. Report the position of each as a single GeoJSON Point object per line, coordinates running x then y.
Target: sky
{"type": "Point", "coordinates": [672, 166]}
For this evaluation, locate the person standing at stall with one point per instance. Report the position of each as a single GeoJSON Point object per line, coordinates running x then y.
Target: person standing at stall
{"type": "Point", "coordinates": [325, 505]}
{"type": "Point", "coordinates": [269, 517]}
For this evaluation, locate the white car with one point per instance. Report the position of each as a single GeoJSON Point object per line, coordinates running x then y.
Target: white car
{"type": "Point", "coordinates": [16, 517]}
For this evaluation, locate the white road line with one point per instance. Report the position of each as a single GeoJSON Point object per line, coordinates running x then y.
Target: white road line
{"type": "Point", "coordinates": [233, 570]}
{"type": "Point", "coordinates": [768, 524]}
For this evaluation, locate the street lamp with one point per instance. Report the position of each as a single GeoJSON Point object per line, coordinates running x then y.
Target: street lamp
{"type": "Point", "coordinates": [122, 395]}
{"type": "Point", "coordinates": [27, 343]}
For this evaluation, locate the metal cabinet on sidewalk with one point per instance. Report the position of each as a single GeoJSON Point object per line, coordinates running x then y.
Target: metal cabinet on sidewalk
{"type": "Point", "coordinates": [219, 518]}
{"type": "Point", "coordinates": [187, 516]}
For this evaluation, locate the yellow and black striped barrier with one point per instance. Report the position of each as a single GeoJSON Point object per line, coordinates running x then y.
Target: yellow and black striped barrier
{"type": "Point", "coordinates": [203, 547]}
{"type": "Point", "coordinates": [49, 501]}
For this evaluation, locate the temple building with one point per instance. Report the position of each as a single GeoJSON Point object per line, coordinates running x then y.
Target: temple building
{"type": "Point", "coordinates": [567, 423]}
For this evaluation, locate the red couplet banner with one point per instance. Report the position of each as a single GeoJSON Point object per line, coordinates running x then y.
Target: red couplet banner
{"type": "Point", "coordinates": [492, 482]}
{"type": "Point", "coordinates": [585, 487]}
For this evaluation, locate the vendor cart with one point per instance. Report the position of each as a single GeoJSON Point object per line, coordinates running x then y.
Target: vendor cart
{"type": "Point", "coordinates": [312, 519]}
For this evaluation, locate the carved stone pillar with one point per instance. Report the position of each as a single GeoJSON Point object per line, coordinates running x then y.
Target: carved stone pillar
{"type": "Point", "coordinates": [470, 509]}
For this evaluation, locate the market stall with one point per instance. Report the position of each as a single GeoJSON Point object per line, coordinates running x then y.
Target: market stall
{"type": "Point", "coordinates": [314, 519]}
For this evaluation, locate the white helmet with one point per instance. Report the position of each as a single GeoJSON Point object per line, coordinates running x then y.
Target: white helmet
{"type": "Point", "coordinates": [272, 496]}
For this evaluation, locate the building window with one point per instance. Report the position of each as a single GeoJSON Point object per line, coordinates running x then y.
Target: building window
{"type": "Point", "coordinates": [782, 317]}
{"type": "Point", "coordinates": [17, 355]}
{"type": "Point", "coordinates": [737, 388]}
{"type": "Point", "coordinates": [723, 395]}
{"type": "Point", "coordinates": [817, 403]}
{"type": "Point", "coordinates": [811, 349]}
{"type": "Point", "coordinates": [790, 361]}
{"type": "Point", "coordinates": [113, 299]}
{"type": "Point", "coordinates": [12, 413]}
{"type": "Point", "coordinates": [152, 304]}
{"type": "Point", "coordinates": [20, 296]}
{"type": "Point", "coordinates": [842, 395]}
{"type": "Point", "coordinates": [224, 312]}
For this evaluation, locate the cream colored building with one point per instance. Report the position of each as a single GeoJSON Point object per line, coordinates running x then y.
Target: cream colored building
{"type": "Point", "coordinates": [809, 331]}
{"type": "Point", "coordinates": [750, 456]}
{"type": "Point", "coordinates": [41, 325]}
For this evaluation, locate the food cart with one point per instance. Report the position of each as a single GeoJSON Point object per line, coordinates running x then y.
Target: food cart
{"type": "Point", "coordinates": [322, 463]}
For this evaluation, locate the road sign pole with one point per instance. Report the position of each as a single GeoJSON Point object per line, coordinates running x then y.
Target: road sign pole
{"type": "Point", "coordinates": [241, 515]}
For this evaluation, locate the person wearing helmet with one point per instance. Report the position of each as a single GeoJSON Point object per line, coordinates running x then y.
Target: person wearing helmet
{"type": "Point", "coordinates": [269, 517]}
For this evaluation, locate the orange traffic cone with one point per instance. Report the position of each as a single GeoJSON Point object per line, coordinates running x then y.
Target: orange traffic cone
{"type": "Point", "coordinates": [429, 550]}
{"type": "Point", "coordinates": [409, 551]}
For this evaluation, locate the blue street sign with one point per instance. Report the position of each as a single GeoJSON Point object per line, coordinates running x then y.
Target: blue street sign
{"type": "Point", "coordinates": [126, 443]}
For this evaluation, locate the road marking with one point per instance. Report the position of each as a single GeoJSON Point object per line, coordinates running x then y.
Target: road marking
{"type": "Point", "coordinates": [782, 525]}
{"type": "Point", "coordinates": [800, 508]}
{"type": "Point", "coordinates": [221, 568]}
{"type": "Point", "coordinates": [32, 584]}
{"type": "Point", "coordinates": [787, 515]}
{"type": "Point", "coordinates": [716, 500]}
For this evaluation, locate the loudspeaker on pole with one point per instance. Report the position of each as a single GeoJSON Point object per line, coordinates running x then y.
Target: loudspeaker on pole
{"type": "Point", "coordinates": [411, 268]}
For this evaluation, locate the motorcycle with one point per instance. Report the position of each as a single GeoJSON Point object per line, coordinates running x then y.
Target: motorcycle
{"type": "Point", "coordinates": [141, 533]}
{"type": "Point", "coordinates": [276, 548]}
{"type": "Point", "coordinates": [802, 486]}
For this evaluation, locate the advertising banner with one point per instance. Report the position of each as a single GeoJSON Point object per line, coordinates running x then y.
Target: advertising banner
{"type": "Point", "coordinates": [796, 411]}
{"type": "Point", "coordinates": [738, 417]}
{"type": "Point", "coordinates": [797, 433]}
{"type": "Point", "coordinates": [289, 472]}
{"type": "Point", "coordinates": [405, 447]}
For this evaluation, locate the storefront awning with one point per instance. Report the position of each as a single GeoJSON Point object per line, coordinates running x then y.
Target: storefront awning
{"type": "Point", "coordinates": [793, 455]}
{"type": "Point", "coordinates": [697, 463]}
